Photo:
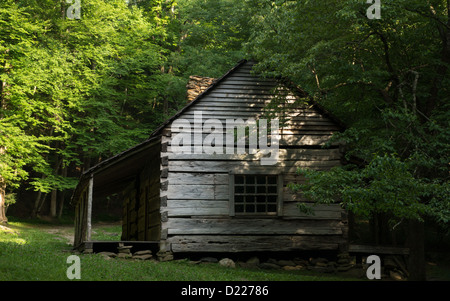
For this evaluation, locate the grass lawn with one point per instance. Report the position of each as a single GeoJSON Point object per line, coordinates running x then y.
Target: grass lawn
{"type": "Point", "coordinates": [30, 251]}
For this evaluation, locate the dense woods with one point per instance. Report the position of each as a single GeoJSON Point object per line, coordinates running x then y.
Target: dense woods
{"type": "Point", "coordinates": [77, 91]}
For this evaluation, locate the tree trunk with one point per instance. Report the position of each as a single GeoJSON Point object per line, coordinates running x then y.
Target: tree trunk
{"type": "Point", "coordinates": [416, 244]}
{"type": "Point", "coordinates": [61, 194]}
{"type": "Point", "coordinates": [3, 218]}
{"type": "Point", "coordinates": [53, 203]}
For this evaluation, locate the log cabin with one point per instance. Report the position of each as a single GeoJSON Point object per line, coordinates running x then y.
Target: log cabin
{"type": "Point", "coordinates": [186, 198]}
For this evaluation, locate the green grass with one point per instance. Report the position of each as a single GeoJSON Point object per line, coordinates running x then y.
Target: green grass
{"type": "Point", "coordinates": [30, 252]}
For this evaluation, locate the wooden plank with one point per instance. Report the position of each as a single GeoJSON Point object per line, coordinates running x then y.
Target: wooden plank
{"type": "Point", "coordinates": [242, 86]}
{"type": "Point", "coordinates": [250, 101]}
{"type": "Point", "coordinates": [246, 82]}
{"type": "Point", "coordinates": [284, 154]}
{"type": "Point", "coordinates": [372, 249]}
{"type": "Point", "coordinates": [216, 208]}
{"type": "Point", "coordinates": [89, 208]}
{"type": "Point", "coordinates": [226, 166]}
{"type": "Point", "coordinates": [176, 178]}
{"type": "Point", "coordinates": [247, 96]}
{"type": "Point", "coordinates": [198, 192]}
{"type": "Point", "coordinates": [285, 140]}
{"type": "Point", "coordinates": [246, 243]}
{"type": "Point", "coordinates": [255, 226]}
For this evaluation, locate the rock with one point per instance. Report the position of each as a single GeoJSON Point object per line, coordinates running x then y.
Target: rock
{"type": "Point", "coordinates": [293, 268]}
{"type": "Point", "coordinates": [344, 268]}
{"type": "Point", "coordinates": [343, 260]}
{"type": "Point", "coordinates": [253, 261]}
{"type": "Point", "coordinates": [314, 261]}
{"type": "Point", "coordinates": [389, 263]}
{"type": "Point", "coordinates": [142, 257]}
{"type": "Point", "coordinates": [300, 261]}
{"type": "Point", "coordinates": [284, 263]}
{"type": "Point", "coordinates": [124, 249]}
{"type": "Point", "coordinates": [143, 252]}
{"type": "Point", "coordinates": [321, 264]}
{"type": "Point", "coordinates": [209, 260]}
{"type": "Point", "coordinates": [164, 256]}
{"type": "Point", "coordinates": [269, 266]}
{"type": "Point", "coordinates": [108, 254]}
{"type": "Point", "coordinates": [343, 255]}
{"type": "Point", "coordinates": [124, 255]}
{"type": "Point", "coordinates": [396, 275]}
{"type": "Point", "coordinates": [227, 262]}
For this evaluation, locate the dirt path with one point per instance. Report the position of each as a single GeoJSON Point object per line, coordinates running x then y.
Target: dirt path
{"type": "Point", "coordinates": [66, 232]}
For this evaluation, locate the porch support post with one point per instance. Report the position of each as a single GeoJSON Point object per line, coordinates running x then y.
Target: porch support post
{"type": "Point", "coordinates": [89, 208]}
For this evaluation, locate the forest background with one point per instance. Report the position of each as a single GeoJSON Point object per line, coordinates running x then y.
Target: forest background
{"type": "Point", "coordinates": [77, 91]}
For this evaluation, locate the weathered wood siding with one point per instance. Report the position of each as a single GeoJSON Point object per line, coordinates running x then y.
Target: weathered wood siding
{"type": "Point", "coordinates": [195, 189]}
{"type": "Point", "coordinates": [141, 218]}
{"type": "Point", "coordinates": [81, 217]}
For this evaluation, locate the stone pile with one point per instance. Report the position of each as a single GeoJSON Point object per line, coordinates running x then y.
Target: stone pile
{"type": "Point", "coordinates": [197, 85]}
{"type": "Point", "coordinates": [319, 264]}
{"type": "Point", "coordinates": [125, 252]}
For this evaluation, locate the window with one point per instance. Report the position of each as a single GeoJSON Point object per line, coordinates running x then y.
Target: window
{"type": "Point", "coordinates": [255, 194]}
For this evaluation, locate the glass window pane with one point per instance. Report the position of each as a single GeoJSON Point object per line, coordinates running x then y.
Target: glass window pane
{"type": "Point", "coordinates": [261, 198]}
{"type": "Point", "coordinates": [250, 199]}
{"type": "Point", "coordinates": [272, 179]}
{"type": "Point", "coordinates": [255, 194]}
{"type": "Point", "coordinates": [239, 198]}
{"type": "Point", "coordinates": [272, 189]}
{"type": "Point", "coordinates": [239, 208]}
{"type": "Point", "coordinates": [250, 179]}
{"type": "Point", "coordinates": [261, 208]}
{"type": "Point", "coordinates": [261, 189]}
{"type": "Point", "coordinates": [250, 208]}
{"type": "Point", "coordinates": [239, 179]}
{"type": "Point", "coordinates": [272, 198]}
{"type": "Point", "coordinates": [261, 179]}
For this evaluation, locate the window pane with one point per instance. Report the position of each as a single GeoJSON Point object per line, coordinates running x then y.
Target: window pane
{"type": "Point", "coordinates": [250, 189]}
{"type": "Point", "coordinates": [261, 179]}
{"type": "Point", "coordinates": [239, 208]}
{"type": "Point", "coordinates": [260, 208]}
{"type": "Point", "coordinates": [250, 208]}
{"type": "Point", "coordinates": [261, 198]}
{"type": "Point", "coordinates": [272, 179]}
{"type": "Point", "coordinates": [272, 198]}
{"type": "Point", "coordinates": [261, 189]}
{"type": "Point", "coordinates": [255, 194]}
{"type": "Point", "coordinates": [271, 208]}
{"type": "Point", "coordinates": [239, 198]}
{"type": "Point", "coordinates": [250, 179]}
{"type": "Point", "coordinates": [239, 189]}
{"type": "Point", "coordinates": [250, 199]}
{"type": "Point", "coordinates": [239, 179]}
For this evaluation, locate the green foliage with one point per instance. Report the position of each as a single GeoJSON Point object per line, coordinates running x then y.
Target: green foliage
{"type": "Point", "coordinates": [387, 79]}
{"type": "Point", "coordinates": [385, 185]}
{"type": "Point", "coordinates": [77, 89]}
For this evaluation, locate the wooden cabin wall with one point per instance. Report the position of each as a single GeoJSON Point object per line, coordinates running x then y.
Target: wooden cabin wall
{"type": "Point", "coordinates": [141, 219]}
{"type": "Point", "coordinates": [195, 189]}
{"type": "Point", "coordinates": [81, 218]}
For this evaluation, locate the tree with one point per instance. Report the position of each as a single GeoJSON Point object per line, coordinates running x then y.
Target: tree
{"type": "Point", "coordinates": [388, 80]}
{"type": "Point", "coordinates": [75, 91]}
